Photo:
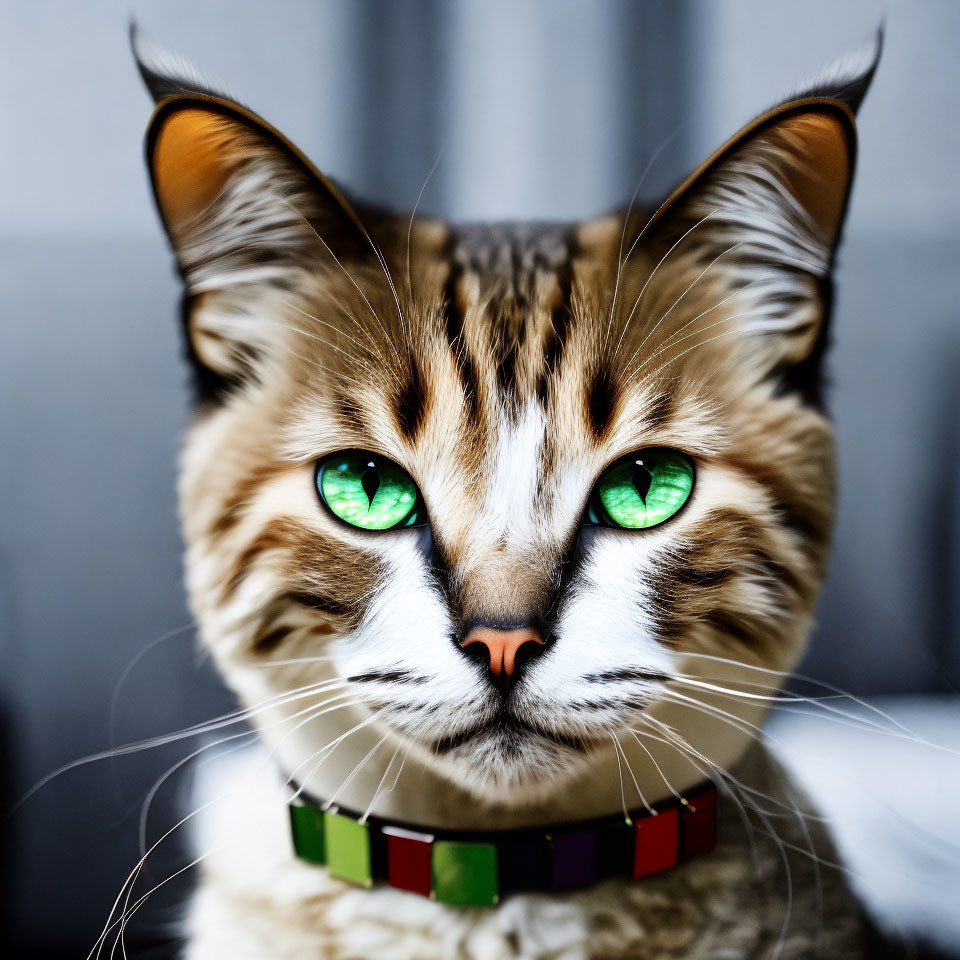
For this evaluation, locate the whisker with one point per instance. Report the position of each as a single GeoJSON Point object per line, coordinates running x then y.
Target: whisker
{"type": "Point", "coordinates": [653, 760]}
{"type": "Point", "coordinates": [653, 273]}
{"type": "Point", "coordinates": [745, 726]}
{"type": "Point", "coordinates": [750, 729]}
{"type": "Point", "coordinates": [312, 336]}
{"type": "Point", "coordinates": [661, 350]}
{"type": "Point", "coordinates": [383, 779]}
{"type": "Point", "coordinates": [349, 276]}
{"type": "Point", "coordinates": [784, 700]}
{"type": "Point", "coordinates": [326, 752]}
{"type": "Point", "coordinates": [110, 923]}
{"type": "Point", "coordinates": [744, 789]}
{"type": "Point", "coordinates": [676, 302]}
{"type": "Point", "coordinates": [804, 829]}
{"type": "Point", "coordinates": [292, 306]}
{"type": "Point", "coordinates": [682, 744]}
{"type": "Point", "coordinates": [621, 260]}
{"type": "Point", "coordinates": [413, 214]}
{"type": "Point", "coordinates": [127, 670]}
{"type": "Point", "coordinates": [643, 799]}
{"type": "Point", "coordinates": [623, 796]}
{"type": "Point", "coordinates": [131, 909]}
{"type": "Point", "coordinates": [386, 272]}
{"type": "Point", "coordinates": [683, 353]}
{"type": "Point", "coordinates": [396, 779]}
{"type": "Point", "coordinates": [159, 741]}
{"type": "Point", "coordinates": [132, 876]}
{"type": "Point", "coordinates": [707, 774]}
{"type": "Point", "coordinates": [776, 674]}
{"type": "Point", "coordinates": [333, 374]}
{"type": "Point", "coordinates": [158, 783]}
{"type": "Point", "coordinates": [730, 719]}
{"type": "Point", "coordinates": [343, 786]}
{"type": "Point", "coordinates": [664, 345]}
{"type": "Point", "coordinates": [247, 733]}
{"type": "Point", "coordinates": [292, 661]}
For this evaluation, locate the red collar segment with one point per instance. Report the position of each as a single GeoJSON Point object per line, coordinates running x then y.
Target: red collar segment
{"type": "Point", "coordinates": [478, 868]}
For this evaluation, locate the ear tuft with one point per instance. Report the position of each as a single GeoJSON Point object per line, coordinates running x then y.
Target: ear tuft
{"type": "Point", "coordinates": [167, 73]}
{"type": "Point", "coordinates": [763, 217]}
{"type": "Point", "coordinates": [848, 78]}
{"type": "Point", "coordinates": [251, 220]}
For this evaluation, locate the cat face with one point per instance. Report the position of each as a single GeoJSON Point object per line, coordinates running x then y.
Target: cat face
{"type": "Point", "coordinates": [494, 490]}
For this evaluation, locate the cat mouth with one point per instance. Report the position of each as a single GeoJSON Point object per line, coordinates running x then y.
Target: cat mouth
{"type": "Point", "coordinates": [507, 726]}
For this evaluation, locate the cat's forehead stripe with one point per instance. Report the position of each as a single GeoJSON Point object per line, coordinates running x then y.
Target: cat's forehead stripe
{"type": "Point", "coordinates": [511, 284]}
{"type": "Point", "coordinates": [410, 399]}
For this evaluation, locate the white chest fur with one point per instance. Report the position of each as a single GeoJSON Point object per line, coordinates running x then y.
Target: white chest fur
{"type": "Point", "coordinates": [257, 901]}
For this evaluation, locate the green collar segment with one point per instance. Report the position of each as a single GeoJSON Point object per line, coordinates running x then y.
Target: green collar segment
{"type": "Point", "coordinates": [477, 869]}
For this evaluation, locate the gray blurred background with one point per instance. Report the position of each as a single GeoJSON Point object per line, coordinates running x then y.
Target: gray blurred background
{"type": "Point", "coordinates": [535, 109]}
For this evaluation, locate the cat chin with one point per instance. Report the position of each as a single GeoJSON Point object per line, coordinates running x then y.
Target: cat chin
{"type": "Point", "coordinates": [507, 771]}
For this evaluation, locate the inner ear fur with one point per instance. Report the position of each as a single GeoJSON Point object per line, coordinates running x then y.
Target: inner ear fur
{"type": "Point", "coordinates": [194, 154]}
{"type": "Point", "coordinates": [808, 145]}
{"type": "Point", "coordinates": [777, 194]}
{"type": "Point", "coordinates": [247, 215]}
{"type": "Point", "coordinates": [197, 145]}
{"type": "Point", "coordinates": [817, 167]}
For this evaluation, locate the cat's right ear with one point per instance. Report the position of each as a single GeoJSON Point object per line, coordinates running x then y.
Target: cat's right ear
{"type": "Point", "coordinates": [245, 211]}
{"type": "Point", "coordinates": [761, 220]}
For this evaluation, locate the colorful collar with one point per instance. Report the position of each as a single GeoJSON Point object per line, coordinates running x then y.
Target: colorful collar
{"type": "Point", "coordinates": [478, 868]}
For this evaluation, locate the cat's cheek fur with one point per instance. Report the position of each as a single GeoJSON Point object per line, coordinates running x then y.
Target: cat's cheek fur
{"type": "Point", "coordinates": [615, 579]}
{"type": "Point", "coordinates": [418, 681]}
{"type": "Point", "coordinates": [504, 371]}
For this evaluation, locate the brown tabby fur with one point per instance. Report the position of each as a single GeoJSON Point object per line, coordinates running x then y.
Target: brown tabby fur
{"type": "Point", "coordinates": [504, 368]}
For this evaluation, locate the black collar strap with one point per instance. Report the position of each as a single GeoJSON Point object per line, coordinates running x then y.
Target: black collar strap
{"type": "Point", "coordinates": [478, 868]}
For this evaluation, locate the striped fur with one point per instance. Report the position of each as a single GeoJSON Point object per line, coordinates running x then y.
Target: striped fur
{"type": "Point", "coordinates": [504, 367]}
{"type": "Point", "coordinates": [505, 379]}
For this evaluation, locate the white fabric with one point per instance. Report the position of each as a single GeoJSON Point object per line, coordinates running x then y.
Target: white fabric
{"type": "Point", "coordinates": [893, 799]}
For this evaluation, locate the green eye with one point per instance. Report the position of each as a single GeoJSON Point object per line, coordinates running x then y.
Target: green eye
{"type": "Point", "coordinates": [368, 491]}
{"type": "Point", "coordinates": [642, 490]}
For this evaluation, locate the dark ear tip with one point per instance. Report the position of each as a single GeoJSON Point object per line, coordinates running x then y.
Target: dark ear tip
{"type": "Point", "coordinates": [150, 79]}
{"type": "Point", "coordinates": [866, 79]}
{"type": "Point", "coordinates": [165, 73]}
{"type": "Point", "coordinates": [849, 78]}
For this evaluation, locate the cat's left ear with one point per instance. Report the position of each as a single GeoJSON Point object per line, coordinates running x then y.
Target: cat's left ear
{"type": "Point", "coordinates": [771, 205]}
{"type": "Point", "coordinates": [247, 214]}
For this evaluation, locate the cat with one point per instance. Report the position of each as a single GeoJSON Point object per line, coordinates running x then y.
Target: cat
{"type": "Point", "coordinates": [505, 537]}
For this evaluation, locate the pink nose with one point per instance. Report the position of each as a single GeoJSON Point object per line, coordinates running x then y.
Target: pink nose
{"type": "Point", "coordinates": [502, 645]}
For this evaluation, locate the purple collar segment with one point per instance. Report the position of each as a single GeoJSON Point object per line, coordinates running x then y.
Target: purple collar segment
{"type": "Point", "coordinates": [479, 868]}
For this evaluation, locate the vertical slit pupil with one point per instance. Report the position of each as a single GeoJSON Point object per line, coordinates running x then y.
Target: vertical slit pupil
{"type": "Point", "coordinates": [370, 481]}
{"type": "Point", "coordinates": [641, 479]}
